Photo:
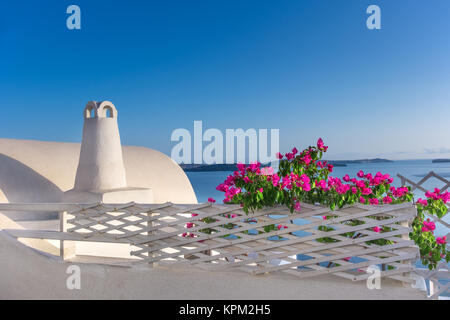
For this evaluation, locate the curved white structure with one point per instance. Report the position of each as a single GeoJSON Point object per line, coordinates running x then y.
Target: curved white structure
{"type": "Point", "coordinates": [38, 171]}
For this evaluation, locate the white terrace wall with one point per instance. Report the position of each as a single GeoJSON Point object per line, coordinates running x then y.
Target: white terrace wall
{"type": "Point", "coordinates": [223, 237]}
{"type": "Point", "coordinates": [26, 274]}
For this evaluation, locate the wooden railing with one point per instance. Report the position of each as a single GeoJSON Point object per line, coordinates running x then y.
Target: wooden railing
{"type": "Point", "coordinates": [439, 279]}
{"type": "Point", "coordinates": [223, 237]}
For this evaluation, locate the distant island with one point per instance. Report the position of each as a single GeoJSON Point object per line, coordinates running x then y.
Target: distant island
{"type": "Point", "coordinates": [441, 160]}
{"type": "Point", "coordinates": [346, 162]}
{"type": "Point", "coordinates": [232, 166]}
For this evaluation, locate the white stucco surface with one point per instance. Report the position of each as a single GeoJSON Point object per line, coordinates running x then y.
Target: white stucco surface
{"type": "Point", "coordinates": [42, 277]}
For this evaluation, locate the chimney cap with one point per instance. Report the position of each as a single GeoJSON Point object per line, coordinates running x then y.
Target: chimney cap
{"type": "Point", "coordinates": [100, 109]}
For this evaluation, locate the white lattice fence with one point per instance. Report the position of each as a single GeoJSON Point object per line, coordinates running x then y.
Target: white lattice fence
{"type": "Point", "coordinates": [218, 237]}
{"type": "Point", "coordinates": [439, 278]}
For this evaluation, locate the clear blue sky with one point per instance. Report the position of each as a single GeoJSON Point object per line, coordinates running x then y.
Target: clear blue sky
{"type": "Point", "coordinates": [310, 68]}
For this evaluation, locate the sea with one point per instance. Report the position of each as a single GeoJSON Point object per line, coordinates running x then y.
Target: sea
{"type": "Point", "coordinates": [204, 183]}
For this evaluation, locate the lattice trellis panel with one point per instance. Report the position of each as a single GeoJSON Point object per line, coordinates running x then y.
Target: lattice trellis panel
{"type": "Point", "coordinates": [442, 272]}
{"type": "Point", "coordinates": [420, 186]}
{"type": "Point", "coordinates": [219, 237]}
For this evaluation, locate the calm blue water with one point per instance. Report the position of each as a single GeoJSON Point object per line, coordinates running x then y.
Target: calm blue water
{"type": "Point", "coordinates": [204, 183]}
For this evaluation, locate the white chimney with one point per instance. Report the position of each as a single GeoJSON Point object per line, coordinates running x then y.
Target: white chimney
{"type": "Point", "coordinates": [101, 175]}
{"type": "Point", "coordinates": [101, 162]}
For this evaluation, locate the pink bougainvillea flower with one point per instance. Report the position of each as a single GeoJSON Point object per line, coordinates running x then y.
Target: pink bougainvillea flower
{"type": "Point", "coordinates": [297, 206]}
{"type": "Point", "coordinates": [428, 226]}
{"type": "Point", "coordinates": [321, 146]}
{"type": "Point", "coordinates": [399, 192]}
{"type": "Point", "coordinates": [254, 167]}
{"type": "Point", "coordinates": [322, 184]}
{"type": "Point", "coordinates": [307, 159]}
{"type": "Point", "coordinates": [267, 171]}
{"type": "Point", "coordinates": [376, 229]}
{"type": "Point", "coordinates": [442, 240]}
{"type": "Point", "coordinates": [275, 180]}
{"type": "Point", "coordinates": [194, 214]}
{"type": "Point", "coordinates": [211, 200]}
{"type": "Point", "coordinates": [362, 200]}
{"type": "Point", "coordinates": [294, 151]}
{"type": "Point", "coordinates": [360, 184]}
{"type": "Point", "coordinates": [279, 156]}
{"type": "Point", "coordinates": [289, 156]}
{"type": "Point", "coordinates": [189, 225]}
{"type": "Point", "coordinates": [346, 259]}
{"type": "Point", "coordinates": [324, 217]}
{"type": "Point", "coordinates": [346, 178]}
{"type": "Point", "coordinates": [445, 197]}
{"type": "Point", "coordinates": [241, 166]}
{"type": "Point", "coordinates": [422, 202]}
{"type": "Point", "coordinates": [374, 201]}
{"type": "Point", "coordinates": [387, 200]}
{"type": "Point", "coordinates": [360, 174]}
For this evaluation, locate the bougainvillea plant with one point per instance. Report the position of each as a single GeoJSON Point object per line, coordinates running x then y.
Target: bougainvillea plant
{"type": "Point", "coordinates": [305, 177]}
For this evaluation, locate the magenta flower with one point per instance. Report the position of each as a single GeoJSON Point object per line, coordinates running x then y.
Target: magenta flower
{"type": "Point", "coordinates": [428, 226]}
{"type": "Point", "coordinates": [241, 166]}
{"type": "Point", "coordinates": [422, 202]}
{"type": "Point", "coordinates": [346, 178]}
{"type": "Point", "coordinates": [297, 206]}
{"type": "Point", "coordinates": [387, 200]}
{"type": "Point", "coordinates": [360, 174]}
{"type": "Point", "coordinates": [289, 156]}
{"type": "Point", "coordinates": [211, 200]}
{"type": "Point", "coordinates": [267, 171]}
{"type": "Point", "coordinates": [442, 240]}
{"type": "Point", "coordinates": [279, 156]}
{"type": "Point", "coordinates": [376, 229]}
{"type": "Point", "coordinates": [275, 180]}
{"type": "Point", "coordinates": [322, 184]}
{"type": "Point", "coordinates": [254, 167]}
{"type": "Point", "coordinates": [321, 146]}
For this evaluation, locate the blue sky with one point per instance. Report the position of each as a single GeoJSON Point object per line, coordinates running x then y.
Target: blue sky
{"type": "Point", "coordinates": [310, 68]}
